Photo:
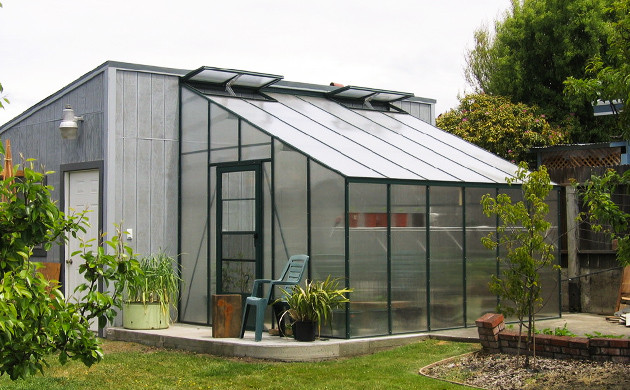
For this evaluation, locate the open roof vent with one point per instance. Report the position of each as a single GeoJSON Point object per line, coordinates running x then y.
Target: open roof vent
{"type": "Point", "coordinates": [368, 98]}
{"type": "Point", "coordinates": [230, 81]}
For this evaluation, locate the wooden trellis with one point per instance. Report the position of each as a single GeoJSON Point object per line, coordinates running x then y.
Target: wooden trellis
{"type": "Point", "coordinates": [601, 157]}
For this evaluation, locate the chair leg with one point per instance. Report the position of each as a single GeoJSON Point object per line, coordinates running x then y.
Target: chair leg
{"type": "Point", "coordinates": [260, 321]}
{"type": "Point", "coordinates": [245, 313]}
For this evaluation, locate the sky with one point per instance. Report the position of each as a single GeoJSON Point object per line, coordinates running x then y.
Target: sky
{"type": "Point", "coordinates": [413, 46]}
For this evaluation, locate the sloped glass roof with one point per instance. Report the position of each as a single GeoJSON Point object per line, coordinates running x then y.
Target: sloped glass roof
{"type": "Point", "coordinates": [369, 144]}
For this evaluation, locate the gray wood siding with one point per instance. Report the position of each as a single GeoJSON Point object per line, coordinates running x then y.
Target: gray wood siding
{"type": "Point", "coordinates": [146, 164]}
{"type": "Point", "coordinates": [37, 135]}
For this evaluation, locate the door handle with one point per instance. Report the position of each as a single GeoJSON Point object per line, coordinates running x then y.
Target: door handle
{"type": "Point", "coordinates": [69, 261]}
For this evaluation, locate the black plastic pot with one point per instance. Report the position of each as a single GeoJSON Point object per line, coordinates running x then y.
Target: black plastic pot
{"type": "Point", "coordinates": [304, 330]}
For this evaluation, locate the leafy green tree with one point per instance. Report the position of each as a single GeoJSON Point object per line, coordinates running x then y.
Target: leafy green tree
{"type": "Point", "coordinates": [521, 233]}
{"type": "Point", "coordinates": [535, 47]}
{"type": "Point", "coordinates": [35, 319]}
{"type": "Point", "coordinates": [608, 82]}
{"type": "Point", "coordinates": [606, 215]}
{"type": "Point", "coordinates": [500, 126]}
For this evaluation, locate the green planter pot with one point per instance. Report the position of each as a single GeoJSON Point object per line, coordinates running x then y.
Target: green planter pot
{"type": "Point", "coordinates": [144, 316]}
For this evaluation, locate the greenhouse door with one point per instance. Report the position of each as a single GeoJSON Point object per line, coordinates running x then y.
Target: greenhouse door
{"type": "Point", "coordinates": [239, 225]}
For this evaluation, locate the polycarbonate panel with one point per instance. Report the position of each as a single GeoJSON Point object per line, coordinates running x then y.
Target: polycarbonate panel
{"type": "Point", "coordinates": [238, 276]}
{"type": "Point", "coordinates": [194, 122]}
{"type": "Point", "coordinates": [408, 153]}
{"type": "Point", "coordinates": [379, 140]}
{"type": "Point", "coordinates": [368, 259]}
{"type": "Point", "coordinates": [357, 150]}
{"type": "Point", "coordinates": [481, 262]}
{"type": "Point", "coordinates": [328, 235]}
{"type": "Point", "coordinates": [193, 238]}
{"type": "Point", "coordinates": [290, 205]}
{"type": "Point", "coordinates": [458, 144]}
{"type": "Point", "coordinates": [212, 218]}
{"type": "Point", "coordinates": [408, 258]}
{"type": "Point", "coordinates": [319, 151]}
{"type": "Point", "coordinates": [467, 167]}
{"type": "Point", "coordinates": [446, 257]}
{"type": "Point", "coordinates": [549, 277]}
{"type": "Point", "coordinates": [254, 143]}
{"type": "Point", "coordinates": [239, 201]}
{"type": "Point", "coordinates": [223, 135]}
{"type": "Point", "coordinates": [515, 195]}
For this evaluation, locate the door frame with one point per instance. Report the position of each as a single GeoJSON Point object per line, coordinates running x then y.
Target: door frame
{"type": "Point", "coordinates": [67, 169]}
{"type": "Point", "coordinates": [258, 238]}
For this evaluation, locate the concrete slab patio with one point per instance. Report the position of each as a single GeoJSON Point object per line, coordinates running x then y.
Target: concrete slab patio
{"type": "Point", "coordinates": [199, 339]}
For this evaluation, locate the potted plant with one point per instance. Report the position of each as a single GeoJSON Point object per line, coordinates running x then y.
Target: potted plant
{"type": "Point", "coordinates": [311, 306]}
{"type": "Point", "coordinates": [151, 292]}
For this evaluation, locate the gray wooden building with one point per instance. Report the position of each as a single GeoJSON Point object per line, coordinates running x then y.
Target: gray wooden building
{"type": "Point", "coordinates": [235, 171]}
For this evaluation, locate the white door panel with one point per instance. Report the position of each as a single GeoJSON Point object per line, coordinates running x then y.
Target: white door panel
{"type": "Point", "coordinates": [82, 193]}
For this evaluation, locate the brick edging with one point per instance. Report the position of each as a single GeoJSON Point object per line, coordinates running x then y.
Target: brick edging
{"type": "Point", "coordinates": [495, 339]}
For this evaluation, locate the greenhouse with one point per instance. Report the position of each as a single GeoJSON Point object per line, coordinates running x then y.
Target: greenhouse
{"type": "Point", "coordinates": [374, 195]}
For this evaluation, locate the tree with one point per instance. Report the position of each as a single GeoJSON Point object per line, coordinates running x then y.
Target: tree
{"type": "Point", "coordinates": [499, 126]}
{"type": "Point", "coordinates": [535, 47]}
{"type": "Point", "coordinates": [606, 215]}
{"type": "Point", "coordinates": [35, 319]}
{"type": "Point", "coordinates": [608, 82]}
{"type": "Point", "coordinates": [521, 232]}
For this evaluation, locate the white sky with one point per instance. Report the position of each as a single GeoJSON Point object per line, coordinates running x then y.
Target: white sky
{"type": "Point", "coordinates": [403, 45]}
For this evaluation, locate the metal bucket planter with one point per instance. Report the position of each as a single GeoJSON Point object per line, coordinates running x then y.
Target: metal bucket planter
{"type": "Point", "coordinates": [144, 316]}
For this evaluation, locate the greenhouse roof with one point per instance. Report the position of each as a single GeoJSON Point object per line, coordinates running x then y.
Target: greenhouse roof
{"type": "Point", "coordinates": [367, 143]}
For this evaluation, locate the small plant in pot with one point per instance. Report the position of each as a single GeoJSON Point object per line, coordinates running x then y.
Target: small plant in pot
{"type": "Point", "coordinates": [313, 306]}
{"type": "Point", "coordinates": [151, 292]}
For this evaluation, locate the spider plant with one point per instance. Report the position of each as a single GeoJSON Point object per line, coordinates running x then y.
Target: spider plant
{"type": "Point", "coordinates": [316, 302]}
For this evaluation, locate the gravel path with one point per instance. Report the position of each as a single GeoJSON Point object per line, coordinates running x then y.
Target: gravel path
{"type": "Point", "coordinates": [499, 371]}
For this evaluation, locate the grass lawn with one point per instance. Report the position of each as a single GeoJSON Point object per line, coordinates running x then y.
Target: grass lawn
{"type": "Point", "coordinates": [133, 366]}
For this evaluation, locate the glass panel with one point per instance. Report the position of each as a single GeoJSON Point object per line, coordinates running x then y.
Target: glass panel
{"type": "Point", "coordinates": [215, 76]}
{"type": "Point", "coordinates": [353, 94]}
{"type": "Point", "coordinates": [238, 276]}
{"type": "Point", "coordinates": [193, 237]}
{"type": "Point", "coordinates": [408, 258]}
{"type": "Point", "coordinates": [194, 122]}
{"type": "Point", "coordinates": [254, 143]}
{"type": "Point", "coordinates": [290, 205]}
{"type": "Point", "coordinates": [468, 154]}
{"type": "Point", "coordinates": [223, 135]}
{"type": "Point", "coordinates": [328, 234]}
{"type": "Point", "coordinates": [446, 235]}
{"type": "Point", "coordinates": [416, 155]}
{"type": "Point", "coordinates": [480, 261]}
{"type": "Point", "coordinates": [351, 140]}
{"type": "Point", "coordinates": [368, 259]}
{"type": "Point", "coordinates": [301, 141]}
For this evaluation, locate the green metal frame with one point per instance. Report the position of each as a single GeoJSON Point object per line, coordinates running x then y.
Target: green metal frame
{"type": "Point", "coordinates": [244, 165]}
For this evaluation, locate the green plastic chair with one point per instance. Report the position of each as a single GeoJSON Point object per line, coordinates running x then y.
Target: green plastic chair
{"type": "Point", "coordinates": [291, 275]}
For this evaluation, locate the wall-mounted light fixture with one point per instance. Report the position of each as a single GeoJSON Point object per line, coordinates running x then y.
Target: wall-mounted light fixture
{"type": "Point", "coordinates": [69, 126]}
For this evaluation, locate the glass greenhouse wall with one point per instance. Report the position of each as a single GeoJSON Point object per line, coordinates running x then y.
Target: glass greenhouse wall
{"type": "Point", "coordinates": [263, 179]}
